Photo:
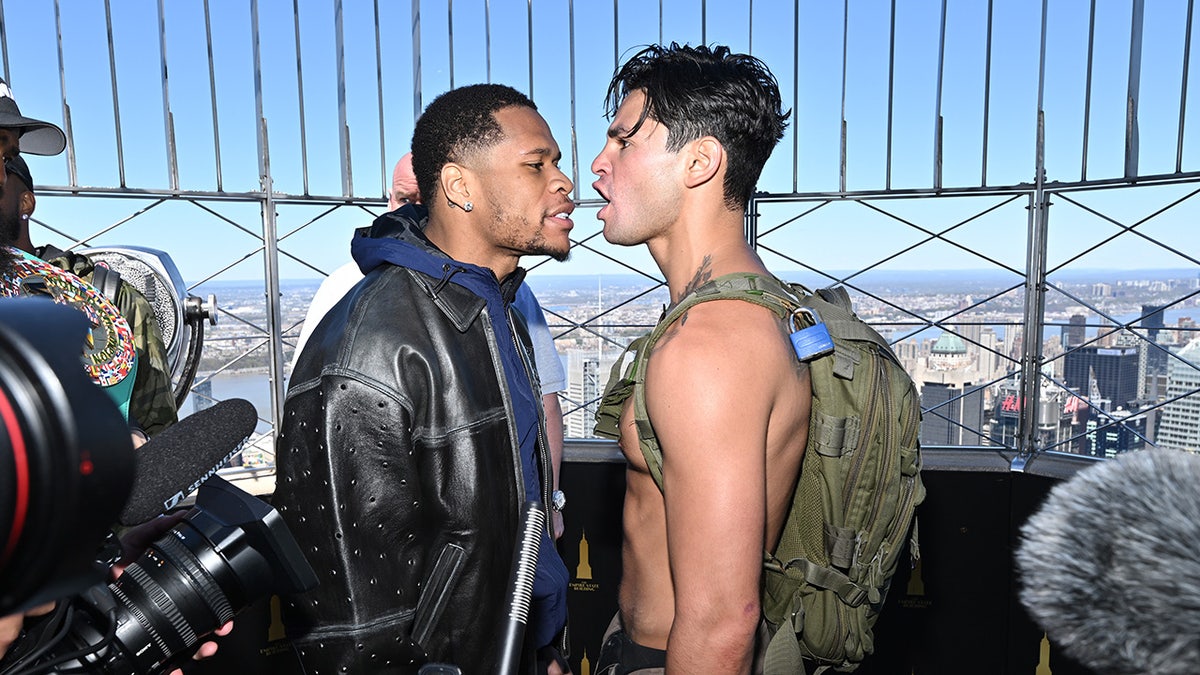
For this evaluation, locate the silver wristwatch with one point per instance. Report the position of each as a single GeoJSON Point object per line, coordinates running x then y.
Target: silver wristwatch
{"type": "Point", "coordinates": [558, 500]}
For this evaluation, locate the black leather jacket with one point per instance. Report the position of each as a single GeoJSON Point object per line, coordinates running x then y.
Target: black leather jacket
{"type": "Point", "coordinates": [398, 449]}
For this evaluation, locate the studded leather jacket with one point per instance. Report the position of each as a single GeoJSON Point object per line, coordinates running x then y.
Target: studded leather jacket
{"type": "Point", "coordinates": [398, 465]}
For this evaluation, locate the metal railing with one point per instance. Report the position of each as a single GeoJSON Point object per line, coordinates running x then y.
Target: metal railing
{"type": "Point", "coordinates": [257, 158]}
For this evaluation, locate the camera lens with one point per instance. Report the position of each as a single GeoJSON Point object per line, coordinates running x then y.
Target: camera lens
{"type": "Point", "coordinates": [170, 597]}
{"type": "Point", "coordinates": [229, 551]}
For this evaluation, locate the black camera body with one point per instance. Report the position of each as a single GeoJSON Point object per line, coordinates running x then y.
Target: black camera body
{"type": "Point", "coordinates": [67, 467]}
{"type": "Point", "coordinates": [66, 458]}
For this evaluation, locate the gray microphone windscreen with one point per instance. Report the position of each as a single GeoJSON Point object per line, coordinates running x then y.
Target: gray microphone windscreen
{"type": "Point", "coordinates": [1110, 564]}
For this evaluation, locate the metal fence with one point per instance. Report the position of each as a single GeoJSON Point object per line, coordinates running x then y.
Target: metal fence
{"type": "Point", "coordinates": [1031, 142]}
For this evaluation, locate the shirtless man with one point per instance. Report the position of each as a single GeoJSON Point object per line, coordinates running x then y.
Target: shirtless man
{"type": "Point", "coordinates": [691, 129]}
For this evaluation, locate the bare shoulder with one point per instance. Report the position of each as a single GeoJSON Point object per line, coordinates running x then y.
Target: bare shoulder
{"type": "Point", "coordinates": [720, 350]}
{"type": "Point", "coordinates": [724, 330]}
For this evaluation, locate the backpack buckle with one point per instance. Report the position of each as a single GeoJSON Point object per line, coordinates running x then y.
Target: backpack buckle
{"type": "Point", "coordinates": [811, 342]}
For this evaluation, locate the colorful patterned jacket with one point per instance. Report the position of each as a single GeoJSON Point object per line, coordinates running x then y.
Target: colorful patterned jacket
{"type": "Point", "coordinates": [153, 402]}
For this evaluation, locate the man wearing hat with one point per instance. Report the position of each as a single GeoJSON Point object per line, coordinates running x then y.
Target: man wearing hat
{"type": "Point", "coordinates": [151, 403]}
{"type": "Point", "coordinates": [23, 134]}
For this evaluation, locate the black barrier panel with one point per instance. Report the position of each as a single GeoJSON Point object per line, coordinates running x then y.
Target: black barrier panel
{"type": "Point", "coordinates": [955, 612]}
{"type": "Point", "coordinates": [591, 548]}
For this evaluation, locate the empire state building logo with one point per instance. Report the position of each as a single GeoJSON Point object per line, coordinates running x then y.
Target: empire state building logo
{"type": "Point", "coordinates": [583, 572]}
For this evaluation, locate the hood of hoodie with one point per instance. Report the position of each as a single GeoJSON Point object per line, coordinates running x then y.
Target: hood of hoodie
{"type": "Point", "coordinates": [398, 238]}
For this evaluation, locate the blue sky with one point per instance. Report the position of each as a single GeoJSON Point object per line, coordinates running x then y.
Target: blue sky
{"type": "Point", "coordinates": [810, 72]}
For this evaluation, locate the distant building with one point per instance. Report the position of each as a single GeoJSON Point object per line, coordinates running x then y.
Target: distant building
{"type": "Point", "coordinates": [953, 414]}
{"type": "Point", "coordinates": [1117, 432]}
{"type": "Point", "coordinates": [991, 362]}
{"type": "Point", "coordinates": [1187, 330]}
{"type": "Point", "coordinates": [1115, 370]}
{"type": "Point", "coordinates": [951, 397]}
{"type": "Point", "coordinates": [1179, 427]}
{"type": "Point", "coordinates": [587, 373]}
{"type": "Point", "coordinates": [1075, 333]}
{"type": "Point", "coordinates": [1055, 411]}
{"type": "Point", "coordinates": [1152, 361]}
{"type": "Point", "coordinates": [202, 396]}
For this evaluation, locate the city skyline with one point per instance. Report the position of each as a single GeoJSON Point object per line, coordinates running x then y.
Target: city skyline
{"type": "Point", "coordinates": [979, 361]}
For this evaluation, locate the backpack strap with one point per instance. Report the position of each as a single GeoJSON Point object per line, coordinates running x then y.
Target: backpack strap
{"type": "Point", "coordinates": [764, 291]}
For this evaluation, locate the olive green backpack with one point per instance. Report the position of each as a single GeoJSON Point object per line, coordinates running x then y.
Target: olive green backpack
{"type": "Point", "coordinates": [859, 485]}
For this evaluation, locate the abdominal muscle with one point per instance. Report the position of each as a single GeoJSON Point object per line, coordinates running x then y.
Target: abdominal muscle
{"type": "Point", "coordinates": [647, 597]}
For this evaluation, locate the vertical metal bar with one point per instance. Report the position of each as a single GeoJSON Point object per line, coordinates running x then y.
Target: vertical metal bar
{"type": "Point", "coordinates": [299, 94]}
{"type": "Point", "coordinates": [343, 126]}
{"type": "Point", "coordinates": [450, 37]}
{"type": "Point", "coordinates": [1039, 151]}
{"type": "Point", "coordinates": [1035, 279]}
{"type": "Point", "coordinates": [271, 269]}
{"type": "Point", "coordinates": [1134, 92]}
{"type": "Point", "coordinates": [660, 22]}
{"type": "Point", "coordinates": [987, 94]}
{"type": "Point", "coordinates": [750, 222]}
{"type": "Point", "coordinates": [1035, 304]}
{"type": "Point", "coordinates": [212, 94]}
{"type": "Point", "coordinates": [487, 37]}
{"type": "Point", "coordinates": [1183, 81]}
{"type": "Point", "coordinates": [168, 118]}
{"type": "Point", "coordinates": [891, 99]}
{"type": "Point", "coordinates": [384, 175]}
{"type": "Point", "coordinates": [1087, 97]}
{"type": "Point", "coordinates": [270, 234]}
{"type": "Point", "coordinates": [842, 130]}
{"type": "Point", "coordinates": [616, 37]}
{"type": "Point", "coordinates": [418, 104]}
{"type": "Point", "coordinates": [529, 29]}
{"type": "Point", "coordinates": [750, 25]}
{"type": "Point", "coordinates": [4, 41]}
{"type": "Point", "coordinates": [574, 104]}
{"type": "Point", "coordinates": [937, 116]}
{"type": "Point", "coordinates": [112, 78]}
{"type": "Point", "coordinates": [62, 87]}
{"type": "Point", "coordinates": [703, 22]}
{"type": "Point", "coordinates": [795, 95]}
{"type": "Point", "coordinates": [259, 135]}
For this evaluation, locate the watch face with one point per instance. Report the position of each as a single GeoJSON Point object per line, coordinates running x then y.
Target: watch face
{"type": "Point", "coordinates": [558, 500]}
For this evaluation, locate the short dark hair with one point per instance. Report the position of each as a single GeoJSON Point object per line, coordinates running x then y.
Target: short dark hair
{"type": "Point", "coordinates": [703, 91]}
{"type": "Point", "coordinates": [456, 125]}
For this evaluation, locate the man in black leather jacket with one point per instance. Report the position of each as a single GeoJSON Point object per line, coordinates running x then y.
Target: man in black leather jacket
{"type": "Point", "coordinates": [412, 431]}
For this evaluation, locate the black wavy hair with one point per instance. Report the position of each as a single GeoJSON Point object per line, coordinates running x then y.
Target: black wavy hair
{"type": "Point", "coordinates": [708, 91]}
{"type": "Point", "coordinates": [456, 125]}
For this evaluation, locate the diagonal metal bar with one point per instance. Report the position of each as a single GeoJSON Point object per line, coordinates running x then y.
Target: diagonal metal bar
{"type": "Point", "coordinates": [1132, 229]}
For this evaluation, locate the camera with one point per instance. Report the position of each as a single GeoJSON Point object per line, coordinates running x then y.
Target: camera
{"type": "Point", "coordinates": [66, 460]}
{"type": "Point", "coordinates": [230, 550]}
{"type": "Point", "coordinates": [66, 470]}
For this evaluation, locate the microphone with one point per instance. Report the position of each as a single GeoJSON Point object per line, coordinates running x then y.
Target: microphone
{"type": "Point", "coordinates": [520, 586]}
{"type": "Point", "coordinates": [1110, 565]}
{"type": "Point", "coordinates": [176, 461]}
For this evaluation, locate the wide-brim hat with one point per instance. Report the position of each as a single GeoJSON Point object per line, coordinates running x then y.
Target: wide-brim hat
{"type": "Point", "coordinates": [37, 137]}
